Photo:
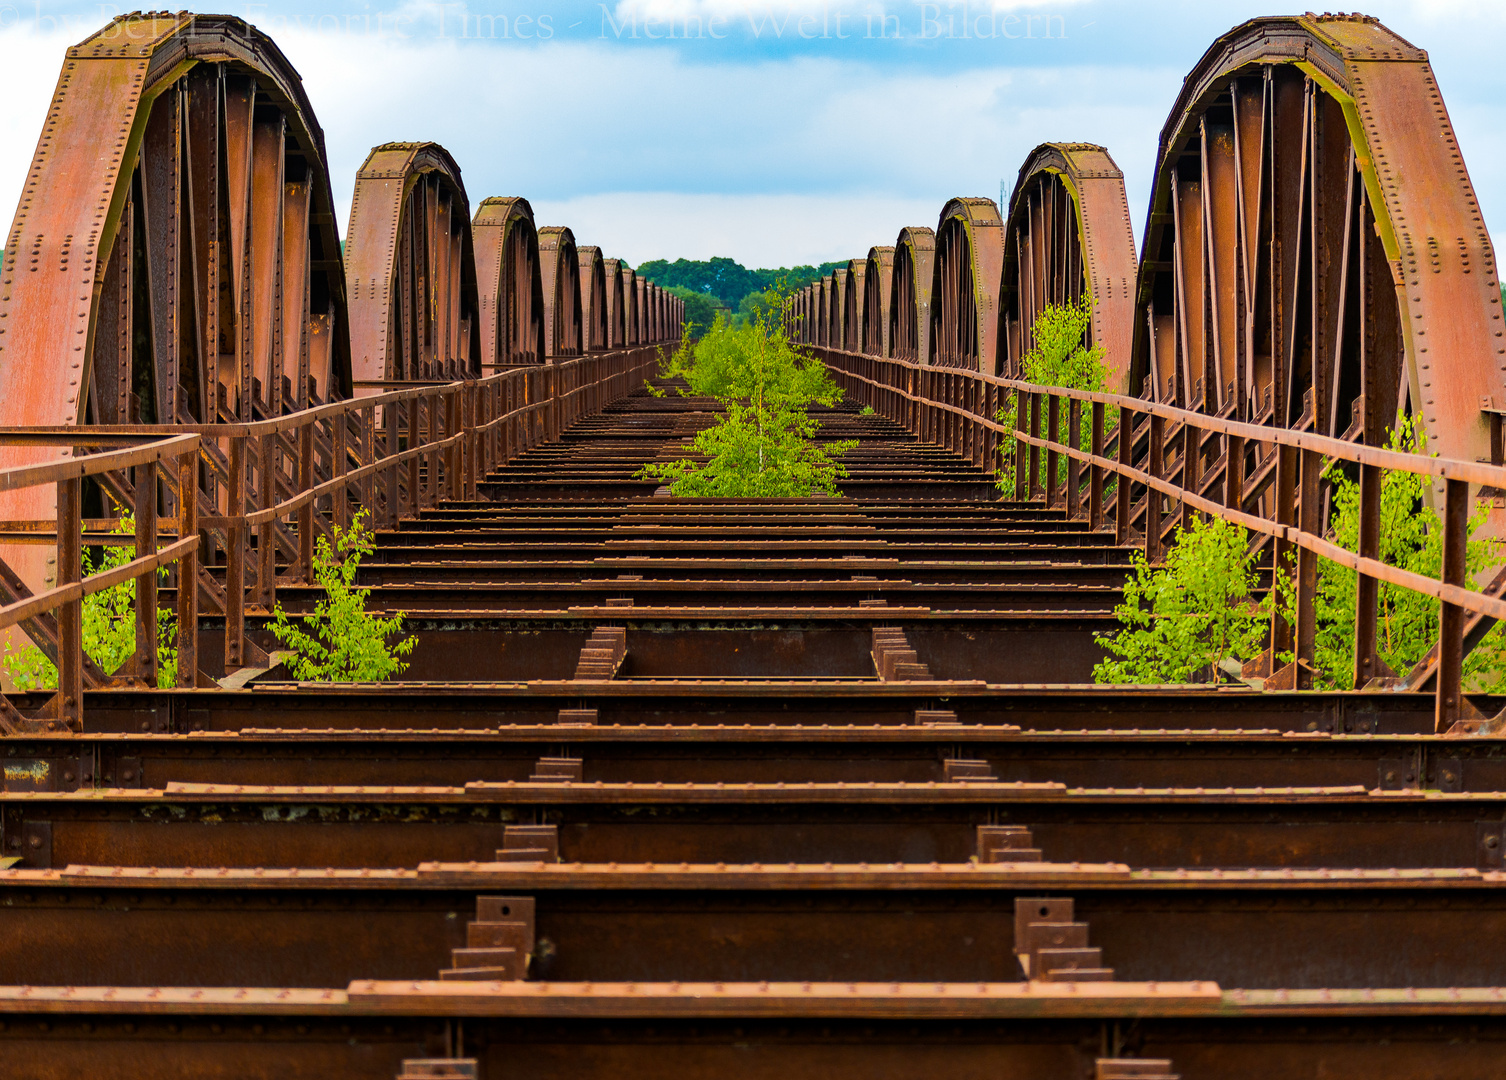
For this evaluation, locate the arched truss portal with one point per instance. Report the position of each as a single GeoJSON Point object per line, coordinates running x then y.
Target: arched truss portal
{"type": "Point", "coordinates": [655, 312]}
{"type": "Point", "coordinates": [593, 296]}
{"type": "Point", "coordinates": [819, 290]}
{"type": "Point", "coordinates": [559, 268]}
{"type": "Point", "coordinates": [1314, 241]}
{"type": "Point", "coordinates": [910, 298]}
{"type": "Point", "coordinates": [511, 290]}
{"type": "Point", "coordinates": [1069, 233]}
{"type": "Point", "coordinates": [174, 256]}
{"type": "Point", "coordinates": [612, 269]}
{"type": "Point", "coordinates": [969, 257]}
{"type": "Point", "coordinates": [877, 279]}
{"type": "Point", "coordinates": [640, 287]}
{"type": "Point", "coordinates": [853, 299]}
{"type": "Point", "coordinates": [836, 299]}
{"type": "Point", "coordinates": [630, 306]}
{"type": "Point", "coordinates": [411, 268]}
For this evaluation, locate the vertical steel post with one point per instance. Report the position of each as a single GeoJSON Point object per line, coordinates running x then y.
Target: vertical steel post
{"type": "Point", "coordinates": [1367, 588]}
{"type": "Point", "coordinates": [1095, 471]}
{"type": "Point", "coordinates": [1074, 441]}
{"type": "Point", "coordinates": [144, 480]}
{"type": "Point", "coordinates": [266, 574]}
{"type": "Point", "coordinates": [306, 511]}
{"type": "Point", "coordinates": [1053, 436]}
{"type": "Point", "coordinates": [1122, 486]}
{"type": "Point", "coordinates": [1310, 522]}
{"type": "Point", "coordinates": [188, 569]}
{"type": "Point", "coordinates": [236, 543]}
{"type": "Point", "coordinates": [1157, 469]}
{"type": "Point", "coordinates": [1282, 632]}
{"type": "Point", "coordinates": [1021, 448]}
{"type": "Point", "coordinates": [1035, 450]}
{"type": "Point", "coordinates": [70, 616]}
{"type": "Point", "coordinates": [1449, 706]}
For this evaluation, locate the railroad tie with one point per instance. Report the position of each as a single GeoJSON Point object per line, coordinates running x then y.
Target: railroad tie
{"type": "Point", "coordinates": [1134, 1069]}
{"type": "Point", "coordinates": [603, 654]}
{"type": "Point", "coordinates": [893, 658]}
{"type": "Point", "coordinates": [1052, 947]}
{"type": "Point", "coordinates": [439, 1069]}
{"type": "Point", "coordinates": [498, 941]}
{"type": "Point", "coordinates": [530, 843]}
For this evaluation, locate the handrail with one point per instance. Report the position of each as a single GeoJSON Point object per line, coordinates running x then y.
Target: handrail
{"type": "Point", "coordinates": [958, 407]}
{"type": "Point", "coordinates": [271, 485]}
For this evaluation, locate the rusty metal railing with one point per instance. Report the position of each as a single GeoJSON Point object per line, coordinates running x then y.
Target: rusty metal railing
{"type": "Point", "coordinates": [53, 617]}
{"type": "Point", "coordinates": [1177, 464]}
{"type": "Point", "coordinates": [269, 487]}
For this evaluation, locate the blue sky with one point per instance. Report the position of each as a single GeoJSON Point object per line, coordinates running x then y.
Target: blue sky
{"type": "Point", "coordinates": [773, 133]}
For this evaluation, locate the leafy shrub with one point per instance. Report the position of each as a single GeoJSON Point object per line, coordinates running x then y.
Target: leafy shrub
{"type": "Point", "coordinates": [1181, 619]}
{"type": "Point", "coordinates": [109, 626]}
{"type": "Point", "coordinates": [763, 446]}
{"type": "Point", "coordinates": [341, 641]}
{"type": "Point", "coordinates": [1058, 358]}
{"type": "Point", "coordinates": [1410, 539]}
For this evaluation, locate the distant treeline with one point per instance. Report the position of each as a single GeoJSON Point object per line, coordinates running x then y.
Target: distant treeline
{"type": "Point", "coordinates": [727, 281]}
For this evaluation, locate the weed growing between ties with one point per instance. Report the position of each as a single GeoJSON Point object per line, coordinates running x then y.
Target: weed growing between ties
{"type": "Point", "coordinates": [764, 445]}
{"type": "Point", "coordinates": [341, 641]}
{"type": "Point", "coordinates": [1059, 357]}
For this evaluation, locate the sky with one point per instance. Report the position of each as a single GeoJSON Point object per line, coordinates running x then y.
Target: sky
{"type": "Point", "coordinates": [775, 134]}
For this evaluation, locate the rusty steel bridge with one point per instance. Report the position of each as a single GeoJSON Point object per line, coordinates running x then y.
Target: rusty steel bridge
{"type": "Point", "coordinates": [740, 788]}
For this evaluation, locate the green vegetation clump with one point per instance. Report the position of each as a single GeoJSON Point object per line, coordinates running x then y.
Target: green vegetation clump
{"type": "Point", "coordinates": [1059, 357]}
{"type": "Point", "coordinates": [764, 445]}
{"type": "Point", "coordinates": [1179, 620]}
{"type": "Point", "coordinates": [728, 282]}
{"type": "Point", "coordinates": [109, 626]}
{"type": "Point", "coordinates": [341, 641]}
{"type": "Point", "coordinates": [1410, 539]}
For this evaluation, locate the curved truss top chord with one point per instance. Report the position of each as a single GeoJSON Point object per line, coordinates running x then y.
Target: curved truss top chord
{"type": "Point", "coordinates": [511, 290]}
{"type": "Point", "coordinates": [559, 265]}
{"type": "Point", "coordinates": [877, 283]}
{"type": "Point", "coordinates": [593, 296]}
{"type": "Point", "coordinates": [836, 301]}
{"type": "Point", "coordinates": [120, 302]}
{"type": "Point", "coordinates": [615, 309]}
{"type": "Point", "coordinates": [640, 288]}
{"type": "Point", "coordinates": [910, 295]}
{"type": "Point", "coordinates": [630, 305]}
{"type": "Point", "coordinates": [1350, 270]}
{"type": "Point", "coordinates": [853, 299]}
{"type": "Point", "coordinates": [1069, 233]}
{"type": "Point", "coordinates": [969, 258]}
{"type": "Point", "coordinates": [411, 268]}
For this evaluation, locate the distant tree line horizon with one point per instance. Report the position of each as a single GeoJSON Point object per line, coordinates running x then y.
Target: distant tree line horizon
{"type": "Point", "coordinates": [709, 285]}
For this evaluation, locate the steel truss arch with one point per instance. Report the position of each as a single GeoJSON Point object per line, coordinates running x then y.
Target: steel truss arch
{"type": "Point", "coordinates": [910, 294]}
{"type": "Point", "coordinates": [854, 296]}
{"type": "Point", "coordinates": [630, 306]}
{"type": "Point", "coordinates": [969, 257]}
{"type": "Point", "coordinates": [559, 266]}
{"type": "Point", "coordinates": [593, 295]}
{"type": "Point", "coordinates": [511, 290]}
{"type": "Point", "coordinates": [1314, 240]}
{"type": "Point", "coordinates": [411, 267]}
{"type": "Point", "coordinates": [877, 283]}
{"type": "Point", "coordinates": [1068, 235]}
{"type": "Point", "coordinates": [175, 257]}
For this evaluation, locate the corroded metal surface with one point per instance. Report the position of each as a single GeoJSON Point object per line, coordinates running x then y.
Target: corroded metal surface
{"type": "Point", "coordinates": [910, 301]}
{"type": "Point", "coordinates": [964, 290]}
{"type": "Point", "coordinates": [412, 273]}
{"type": "Point", "coordinates": [559, 266]}
{"type": "Point", "coordinates": [1069, 234]}
{"type": "Point", "coordinates": [511, 287]}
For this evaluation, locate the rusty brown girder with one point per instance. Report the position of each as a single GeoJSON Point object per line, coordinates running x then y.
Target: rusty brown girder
{"type": "Point", "coordinates": [411, 269]}
{"type": "Point", "coordinates": [1068, 236]}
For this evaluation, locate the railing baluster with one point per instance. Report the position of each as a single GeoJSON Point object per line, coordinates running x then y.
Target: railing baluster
{"type": "Point", "coordinates": [1021, 447]}
{"type": "Point", "coordinates": [306, 511]}
{"type": "Point", "coordinates": [144, 480]}
{"type": "Point", "coordinates": [1367, 588]}
{"type": "Point", "coordinates": [1157, 469]}
{"type": "Point", "coordinates": [1035, 450]}
{"type": "Point", "coordinates": [188, 570]}
{"type": "Point", "coordinates": [1450, 700]}
{"type": "Point", "coordinates": [1074, 440]}
{"type": "Point", "coordinates": [70, 569]}
{"type": "Point", "coordinates": [235, 556]}
{"type": "Point", "coordinates": [266, 541]}
{"type": "Point", "coordinates": [1095, 471]}
{"type": "Point", "coordinates": [1282, 631]}
{"type": "Point", "coordinates": [1310, 513]}
{"type": "Point", "coordinates": [1053, 435]}
{"type": "Point", "coordinates": [1122, 488]}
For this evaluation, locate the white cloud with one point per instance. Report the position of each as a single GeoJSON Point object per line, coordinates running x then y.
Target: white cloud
{"type": "Point", "coordinates": [756, 230]}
